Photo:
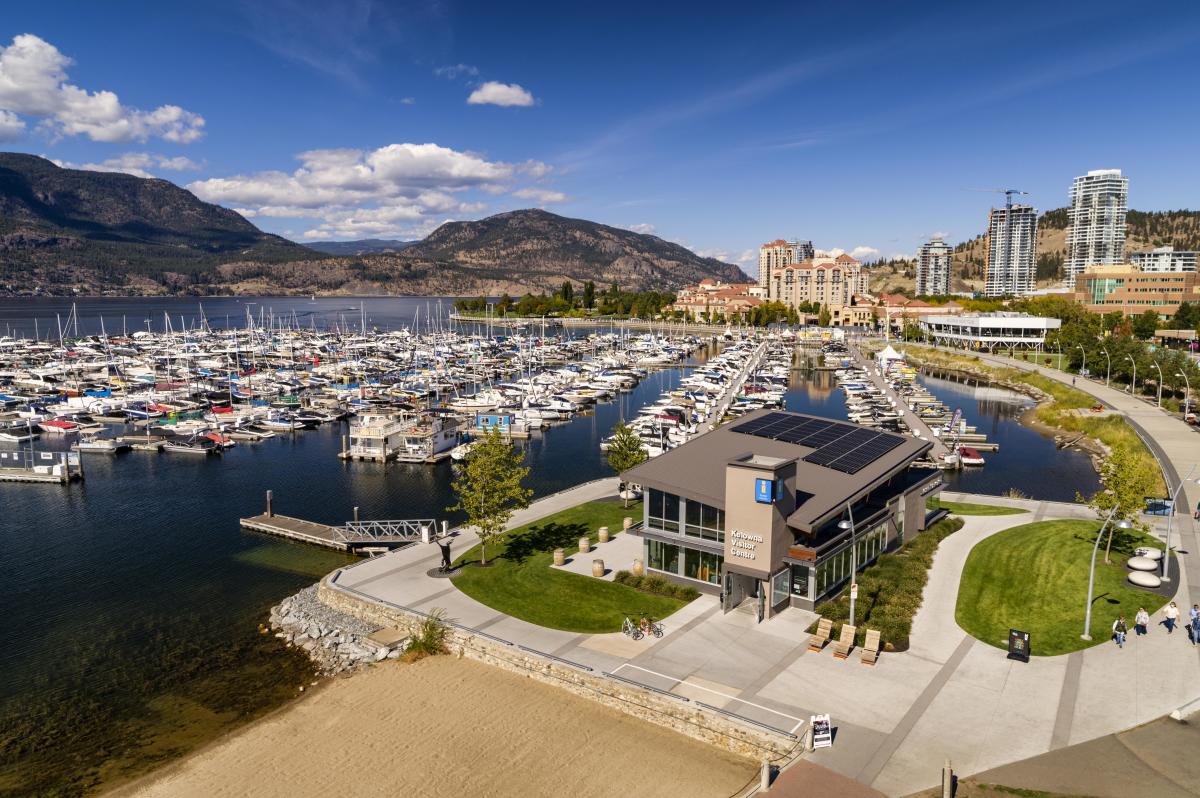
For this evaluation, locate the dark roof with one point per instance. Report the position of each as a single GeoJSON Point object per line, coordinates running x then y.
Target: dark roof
{"type": "Point", "coordinates": [696, 470]}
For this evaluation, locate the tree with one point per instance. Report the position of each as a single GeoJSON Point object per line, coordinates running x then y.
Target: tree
{"type": "Point", "coordinates": [589, 294]}
{"type": "Point", "coordinates": [489, 486]}
{"type": "Point", "coordinates": [568, 292]}
{"type": "Point", "coordinates": [824, 317]}
{"type": "Point", "coordinates": [625, 452]}
{"type": "Point", "coordinates": [1145, 324]}
{"type": "Point", "coordinates": [1127, 479]}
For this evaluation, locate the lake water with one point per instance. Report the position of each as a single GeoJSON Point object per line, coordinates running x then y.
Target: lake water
{"type": "Point", "coordinates": [132, 600]}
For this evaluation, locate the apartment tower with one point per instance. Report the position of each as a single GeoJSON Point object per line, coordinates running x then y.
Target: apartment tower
{"type": "Point", "coordinates": [774, 255]}
{"type": "Point", "coordinates": [933, 268]}
{"type": "Point", "coordinates": [1096, 236]}
{"type": "Point", "coordinates": [1011, 251]}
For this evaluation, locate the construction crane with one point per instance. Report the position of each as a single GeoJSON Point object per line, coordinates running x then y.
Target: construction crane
{"type": "Point", "coordinates": [1007, 192]}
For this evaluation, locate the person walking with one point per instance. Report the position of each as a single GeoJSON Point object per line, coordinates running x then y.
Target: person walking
{"type": "Point", "coordinates": [1194, 623]}
{"type": "Point", "coordinates": [1119, 630]}
{"type": "Point", "coordinates": [1170, 616]}
{"type": "Point", "coordinates": [1141, 621]}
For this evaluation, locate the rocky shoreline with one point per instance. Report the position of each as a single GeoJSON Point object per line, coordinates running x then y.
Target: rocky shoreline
{"type": "Point", "coordinates": [336, 642]}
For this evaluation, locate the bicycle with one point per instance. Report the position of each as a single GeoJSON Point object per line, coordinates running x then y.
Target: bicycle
{"type": "Point", "coordinates": [650, 626]}
{"type": "Point", "coordinates": [632, 629]}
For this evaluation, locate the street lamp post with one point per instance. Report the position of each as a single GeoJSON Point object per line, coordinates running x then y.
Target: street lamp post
{"type": "Point", "coordinates": [1133, 386]}
{"type": "Point", "coordinates": [1160, 381]}
{"type": "Point", "coordinates": [1087, 618]}
{"type": "Point", "coordinates": [1083, 368]}
{"type": "Point", "coordinates": [1187, 394]}
{"type": "Point", "coordinates": [844, 524]}
{"type": "Point", "coordinates": [1108, 368]}
{"type": "Point", "coordinates": [1166, 577]}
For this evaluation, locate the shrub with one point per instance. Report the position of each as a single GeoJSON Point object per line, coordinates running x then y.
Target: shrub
{"type": "Point", "coordinates": [890, 590]}
{"type": "Point", "coordinates": [430, 637]}
{"type": "Point", "coordinates": [656, 585]}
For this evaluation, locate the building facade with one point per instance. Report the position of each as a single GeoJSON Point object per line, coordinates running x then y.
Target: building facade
{"type": "Point", "coordinates": [933, 268]}
{"type": "Point", "coordinates": [1129, 289]}
{"type": "Point", "coordinates": [774, 255]}
{"type": "Point", "coordinates": [1011, 250]}
{"type": "Point", "coordinates": [712, 298]}
{"type": "Point", "coordinates": [1096, 235]}
{"type": "Point", "coordinates": [832, 282]}
{"type": "Point", "coordinates": [752, 511]}
{"type": "Point", "coordinates": [1164, 259]}
{"type": "Point", "coordinates": [989, 331]}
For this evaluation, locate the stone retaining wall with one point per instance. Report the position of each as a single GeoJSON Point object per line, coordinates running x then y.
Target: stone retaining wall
{"type": "Point", "coordinates": [675, 714]}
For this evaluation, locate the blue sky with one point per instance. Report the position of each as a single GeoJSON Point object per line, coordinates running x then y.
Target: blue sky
{"type": "Point", "coordinates": [860, 126]}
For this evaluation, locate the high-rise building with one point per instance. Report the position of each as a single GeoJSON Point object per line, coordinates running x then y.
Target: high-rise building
{"type": "Point", "coordinates": [1011, 251]}
{"type": "Point", "coordinates": [823, 280]}
{"type": "Point", "coordinates": [774, 255]}
{"type": "Point", "coordinates": [1164, 259]}
{"type": "Point", "coordinates": [933, 268]}
{"type": "Point", "coordinates": [1096, 236]}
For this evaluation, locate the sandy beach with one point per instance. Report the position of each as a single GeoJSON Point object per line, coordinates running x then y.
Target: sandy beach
{"type": "Point", "coordinates": [448, 727]}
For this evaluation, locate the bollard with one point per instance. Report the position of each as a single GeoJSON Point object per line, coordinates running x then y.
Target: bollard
{"type": "Point", "coordinates": [356, 513]}
{"type": "Point", "coordinates": [597, 568]}
{"type": "Point", "coordinates": [947, 780]}
{"type": "Point", "coordinates": [627, 524]}
{"type": "Point", "coordinates": [585, 545]}
{"type": "Point", "coordinates": [764, 776]}
{"type": "Point", "coordinates": [559, 557]}
{"type": "Point", "coordinates": [603, 534]}
{"type": "Point", "coordinates": [638, 568]}
{"type": "Point", "coordinates": [345, 445]}
{"type": "Point", "coordinates": [270, 509]}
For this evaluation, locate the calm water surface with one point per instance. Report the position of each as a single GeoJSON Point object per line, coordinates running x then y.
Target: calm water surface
{"type": "Point", "coordinates": [132, 600]}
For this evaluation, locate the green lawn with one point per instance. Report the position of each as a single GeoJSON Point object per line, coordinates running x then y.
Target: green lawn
{"type": "Point", "coordinates": [1034, 577]}
{"type": "Point", "coordinates": [520, 582]}
{"type": "Point", "coordinates": [970, 508]}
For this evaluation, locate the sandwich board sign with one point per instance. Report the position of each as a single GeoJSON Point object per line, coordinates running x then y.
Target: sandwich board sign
{"type": "Point", "coordinates": [822, 731]}
{"type": "Point", "coordinates": [1018, 645]}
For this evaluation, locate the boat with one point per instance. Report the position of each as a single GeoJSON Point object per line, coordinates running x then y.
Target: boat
{"type": "Point", "coordinates": [100, 445]}
{"type": "Point", "coordinates": [969, 457]}
{"type": "Point", "coordinates": [200, 447]}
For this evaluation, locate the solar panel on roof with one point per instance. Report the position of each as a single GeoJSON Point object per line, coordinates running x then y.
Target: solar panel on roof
{"type": "Point", "coordinates": [843, 447]}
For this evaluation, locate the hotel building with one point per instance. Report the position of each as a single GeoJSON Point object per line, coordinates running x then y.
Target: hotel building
{"type": "Point", "coordinates": [1011, 250]}
{"type": "Point", "coordinates": [1096, 235]}
{"type": "Point", "coordinates": [752, 510]}
{"type": "Point", "coordinates": [933, 268]}
{"type": "Point", "coordinates": [774, 255]}
{"type": "Point", "coordinates": [827, 281]}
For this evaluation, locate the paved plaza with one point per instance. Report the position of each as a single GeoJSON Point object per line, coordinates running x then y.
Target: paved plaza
{"type": "Point", "coordinates": [949, 696]}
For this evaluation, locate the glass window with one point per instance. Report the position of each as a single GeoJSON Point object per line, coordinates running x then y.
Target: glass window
{"type": "Point", "coordinates": [702, 565]}
{"type": "Point", "coordinates": [662, 556]}
{"type": "Point", "coordinates": [779, 587]}
{"type": "Point", "coordinates": [800, 581]}
{"type": "Point", "coordinates": [702, 521]}
{"type": "Point", "coordinates": [662, 511]}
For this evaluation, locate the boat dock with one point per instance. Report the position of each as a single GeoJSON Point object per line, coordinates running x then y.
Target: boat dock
{"type": "Point", "coordinates": [354, 536]}
{"type": "Point", "coordinates": [296, 529]}
{"type": "Point", "coordinates": [914, 421]}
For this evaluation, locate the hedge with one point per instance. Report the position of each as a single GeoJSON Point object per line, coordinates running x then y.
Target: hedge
{"type": "Point", "coordinates": [656, 585]}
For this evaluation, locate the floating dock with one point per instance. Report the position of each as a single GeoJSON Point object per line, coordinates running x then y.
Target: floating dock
{"type": "Point", "coordinates": [297, 529]}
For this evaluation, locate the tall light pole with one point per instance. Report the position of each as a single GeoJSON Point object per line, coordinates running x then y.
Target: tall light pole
{"type": "Point", "coordinates": [1187, 394]}
{"type": "Point", "coordinates": [1170, 515]}
{"type": "Point", "coordinates": [844, 524]}
{"type": "Point", "coordinates": [1160, 380]}
{"type": "Point", "coordinates": [1083, 368]}
{"type": "Point", "coordinates": [1133, 387]}
{"type": "Point", "coordinates": [1108, 369]}
{"type": "Point", "coordinates": [1087, 618]}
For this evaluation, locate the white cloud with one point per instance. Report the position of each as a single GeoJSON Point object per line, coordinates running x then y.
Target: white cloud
{"type": "Point", "coordinates": [408, 100]}
{"type": "Point", "coordinates": [506, 94]}
{"type": "Point", "coordinates": [647, 229]}
{"type": "Point", "coordinates": [136, 163]}
{"type": "Point", "coordinates": [33, 75]}
{"type": "Point", "coordinates": [829, 253]}
{"type": "Point", "coordinates": [863, 252]}
{"type": "Point", "coordinates": [249, 213]}
{"type": "Point", "coordinates": [456, 70]}
{"type": "Point", "coordinates": [11, 126]}
{"type": "Point", "coordinates": [393, 191]}
{"type": "Point", "coordinates": [535, 169]}
{"type": "Point", "coordinates": [748, 256]}
{"type": "Point", "coordinates": [541, 195]}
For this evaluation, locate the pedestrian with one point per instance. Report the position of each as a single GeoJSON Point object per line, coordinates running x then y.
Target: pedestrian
{"type": "Point", "coordinates": [1170, 616]}
{"type": "Point", "coordinates": [444, 545]}
{"type": "Point", "coordinates": [1119, 631]}
{"type": "Point", "coordinates": [1196, 515]}
{"type": "Point", "coordinates": [1194, 623]}
{"type": "Point", "coordinates": [1141, 621]}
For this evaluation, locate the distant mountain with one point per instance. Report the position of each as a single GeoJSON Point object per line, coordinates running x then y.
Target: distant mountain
{"type": "Point", "coordinates": [543, 249]}
{"type": "Point", "coordinates": [366, 246]}
{"type": "Point", "coordinates": [59, 222]}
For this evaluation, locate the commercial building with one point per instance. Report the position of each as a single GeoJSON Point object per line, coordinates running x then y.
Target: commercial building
{"type": "Point", "coordinates": [716, 299]}
{"type": "Point", "coordinates": [933, 268]}
{"type": "Point", "coordinates": [753, 509]}
{"type": "Point", "coordinates": [832, 282]}
{"type": "Point", "coordinates": [1125, 287]}
{"type": "Point", "coordinates": [1164, 259]}
{"type": "Point", "coordinates": [989, 330]}
{"type": "Point", "coordinates": [774, 255]}
{"type": "Point", "coordinates": [1011, 250]}
{"type": "Point", "coordinates": [1096, 235]}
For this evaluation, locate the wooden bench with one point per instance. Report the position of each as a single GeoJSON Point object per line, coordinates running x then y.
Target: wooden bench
{"type": "Point", "coordinates": [843, 645]}
{"type": "Point", "coordinates": [819, 638]}
{"type": "Point", "coordinates": [870, 649]}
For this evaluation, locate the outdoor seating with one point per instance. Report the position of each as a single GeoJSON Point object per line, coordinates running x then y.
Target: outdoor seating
{"type": "Point", "coordinates": [841, 648]}
{"type": "Point", "coordinates": [870, 649]}
{"type": "Point", "coordinates": [819, 638]}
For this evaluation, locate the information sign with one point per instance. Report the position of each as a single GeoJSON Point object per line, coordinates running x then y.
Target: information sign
{"type": "Point", "coordinates": [822, 731]}
{"type": "Point", "coordinates": [1018, 645]}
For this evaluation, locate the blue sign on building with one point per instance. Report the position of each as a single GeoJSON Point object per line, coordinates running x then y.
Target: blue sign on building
{"type": "Point", "coordinates": [764, 491]}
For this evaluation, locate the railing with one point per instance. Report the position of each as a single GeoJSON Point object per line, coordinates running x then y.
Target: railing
{"type": "Point", "coordinates": [384, 530]}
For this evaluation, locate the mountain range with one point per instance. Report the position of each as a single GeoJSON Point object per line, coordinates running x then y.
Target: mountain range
{"type": "Point", "coordinates": [69, 230]}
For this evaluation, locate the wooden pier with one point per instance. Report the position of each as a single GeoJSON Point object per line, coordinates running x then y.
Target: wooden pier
{"type": "Point", "coordinates": [297, 529]}
{"type": "Point", "coordinates": [354, 536]}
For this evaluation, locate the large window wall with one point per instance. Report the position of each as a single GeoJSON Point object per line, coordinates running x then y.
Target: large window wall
{"type": "Point", "coordinates": [703, 566]}
{"type": "Point", "coordinates": [662, 511]}
{"type": "Point", "coordinates": [702, 521]}
{"type": "Point", "coordinates": [667, 512]}
{"type": "Point", "coordinates": [834, 569]}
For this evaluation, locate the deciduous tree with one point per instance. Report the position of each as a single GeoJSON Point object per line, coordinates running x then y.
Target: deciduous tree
{"type": "Point", "coordinates": [625, 452]}
{"type": "Point", "coordinates": [489, 486]}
